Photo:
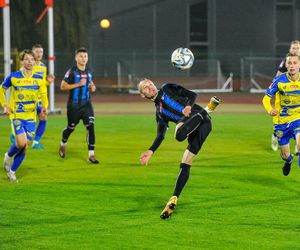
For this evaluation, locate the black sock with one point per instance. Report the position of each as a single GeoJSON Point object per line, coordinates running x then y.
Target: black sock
{"type": "Point", "coordinates": [90, 137]}
{"type": "Point", "coordinates": [66, 133]}
{"type": "Point", "coordinates": [182, 178]}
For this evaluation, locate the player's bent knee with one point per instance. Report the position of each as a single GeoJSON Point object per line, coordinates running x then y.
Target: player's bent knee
{"type": "Point", "coordinates": [180, 135]}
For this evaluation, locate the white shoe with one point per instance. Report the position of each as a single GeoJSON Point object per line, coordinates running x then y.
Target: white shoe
{"type": "Point", "coordinates": [12, 176]}
{"type": "Point", "coordinates": [274, 143]}
{"type": "Point", "coordinates": [7, 162]}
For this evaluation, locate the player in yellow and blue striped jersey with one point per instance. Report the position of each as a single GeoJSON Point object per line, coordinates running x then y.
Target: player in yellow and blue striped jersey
{"type": "Point", "coordinates": [294, 49]}
{"type": "Point", "coordinates": [41, 69]}
{"type": "Point", "coordinates": [26, 89]}
{"type": "Point", "coordinates": [286, 110]}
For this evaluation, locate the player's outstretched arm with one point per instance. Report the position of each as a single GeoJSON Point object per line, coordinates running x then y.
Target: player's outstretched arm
{"type": "Point", "coordinates": [2, 97]}
{"type": "Point", "coordinates": [269, 108]}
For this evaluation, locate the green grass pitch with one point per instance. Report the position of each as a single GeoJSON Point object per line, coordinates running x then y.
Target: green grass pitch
{"type": "Point", "coordinates": [236, 197]}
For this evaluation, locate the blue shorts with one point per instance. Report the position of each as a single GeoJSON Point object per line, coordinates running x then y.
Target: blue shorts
{"type": "Point", "coordinates": [23, 126]}
{"type": "Point", "coordinates": [287, 131]}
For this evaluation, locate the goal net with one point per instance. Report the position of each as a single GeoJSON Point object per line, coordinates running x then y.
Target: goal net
{"type": "Point", "coordinates": [204, 76]}
{"type": "Point", "coordinates": [257, 73]}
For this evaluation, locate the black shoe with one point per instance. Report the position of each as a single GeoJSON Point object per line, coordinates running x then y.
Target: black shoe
{"type": "Point", "coordinates": [92, 159]}
{"type": "Point", "coordinates": [188, 127]}
{"type": "Point", "coordinates": [286, 168]}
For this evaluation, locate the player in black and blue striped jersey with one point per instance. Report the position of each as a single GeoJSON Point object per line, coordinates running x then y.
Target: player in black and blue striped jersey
{"type": "Point", "coordinates": [79, 82]}
{"type": "Point", "coordinates": [175, 103]}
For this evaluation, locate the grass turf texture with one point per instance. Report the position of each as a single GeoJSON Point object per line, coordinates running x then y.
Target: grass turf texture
{"type": "Point", "coordinates": [236, 198]}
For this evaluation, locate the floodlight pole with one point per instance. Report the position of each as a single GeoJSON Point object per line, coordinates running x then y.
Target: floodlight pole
{"type": "Point", "coordinates": [6, 40]}
{"type": "Point", "coordinates": [51, 57]}
{"type": "Point", "coordinates": [6, 36]}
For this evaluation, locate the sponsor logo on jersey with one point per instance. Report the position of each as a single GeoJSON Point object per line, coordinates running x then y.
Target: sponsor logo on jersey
{"type": "Point", "coordinates": [83, 75]}
{"type": "Point", "coordinates": [293, 86]}
{"type": "Point", "coordinates": [67, 74]}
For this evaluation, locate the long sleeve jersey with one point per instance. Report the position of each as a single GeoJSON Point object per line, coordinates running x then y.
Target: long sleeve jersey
{"type": "Point", "coordinates": [169, 103]}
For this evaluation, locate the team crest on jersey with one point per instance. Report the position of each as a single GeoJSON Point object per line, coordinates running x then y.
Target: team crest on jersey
{"type": "Point", "coordinates": [279, 133]}
{"type": "Point", "coordinates": [287, 101]}
{"type": "Point", "coordinates": [20, 96]}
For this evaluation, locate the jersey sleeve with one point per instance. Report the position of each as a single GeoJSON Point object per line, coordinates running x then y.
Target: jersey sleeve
{"type": "Point", "coordinates": [270, 92]}
{"type": "Point", "coordinates": [7, 82]}
{"type": "Point", "coordinates": [69, 76]}
{"type": "Point", "coordinates": [273, 88]}
{"type": "Point", "coordinates": [43, 94]}
{"type": "Point", "coordinates": [160, 136]}
{"type": "Point", "coordinates": [5, 85]}
{"type": "Point", "coordinates": [2, 96]}
{"type": "Point", "coordinates": [177, 90]}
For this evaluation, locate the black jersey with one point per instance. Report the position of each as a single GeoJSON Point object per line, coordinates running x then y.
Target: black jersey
{"type": "Point", "coordinates": [80, 95]}
{"type": "Point", "coordinates": [169, 103]}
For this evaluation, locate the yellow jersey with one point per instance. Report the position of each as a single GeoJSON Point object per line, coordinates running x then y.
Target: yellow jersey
{"type": "Point", "coordinates": [41, 69]}
{"type": "Point", "coordinates": [287, 99]}
{"type": "Point", "coordinates": [25, 92]}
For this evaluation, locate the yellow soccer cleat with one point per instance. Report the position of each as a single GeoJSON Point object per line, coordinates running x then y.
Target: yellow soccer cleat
{"type": "Point", "coordinates": [169, 208]}
{"type": "Point", "coordinates": [213, 103]}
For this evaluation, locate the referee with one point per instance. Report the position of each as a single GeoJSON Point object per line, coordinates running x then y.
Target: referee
{"type": "Point", "coordinates": [176, 104]}
{"type": "Point", "coordinates": [78, 81]}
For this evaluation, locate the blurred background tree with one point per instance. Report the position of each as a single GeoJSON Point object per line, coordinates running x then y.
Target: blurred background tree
{"type": "Point", "coordinates": [71, 22]}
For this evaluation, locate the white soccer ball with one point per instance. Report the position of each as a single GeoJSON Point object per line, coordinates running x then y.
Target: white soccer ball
{"type": "Point", "coordinates": [182, 58]}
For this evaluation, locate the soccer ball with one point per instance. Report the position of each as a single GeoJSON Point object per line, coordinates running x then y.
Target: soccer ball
{"type": "Point", "coordinates": [182, 58]}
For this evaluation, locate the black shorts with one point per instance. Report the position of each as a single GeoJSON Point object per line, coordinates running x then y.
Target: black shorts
{"type": "Point", "coordinates": [76, 113]}
{"type": "Point", "coordinates": [198, 136]}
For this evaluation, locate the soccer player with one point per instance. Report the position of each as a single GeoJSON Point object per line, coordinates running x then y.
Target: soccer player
{"type": "Point", "coordinates": [294, 49]}
{"type": "Point", "coordinates": [286, 111]}
{"type": "Point", "coordinates": [176, 104]}
{"type": "Point", "coordinates": [26, 88]}
{"type": "Point", "coordinates": [41, 69]}
{"type": "Point", "coordinates": [78, 81]}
